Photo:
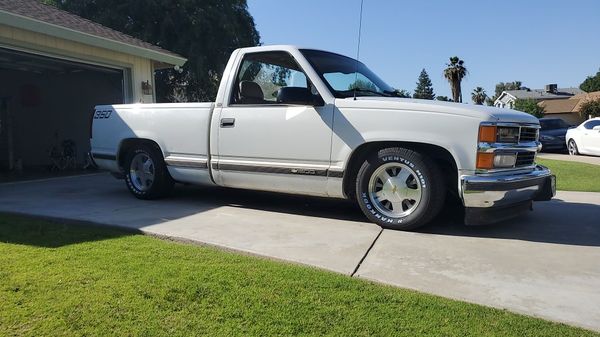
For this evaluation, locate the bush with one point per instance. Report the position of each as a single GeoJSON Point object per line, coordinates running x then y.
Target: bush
{"type": "Point", "coordinates": [590, 108]}
{"type": "Point", "coordinates": [529, 106]}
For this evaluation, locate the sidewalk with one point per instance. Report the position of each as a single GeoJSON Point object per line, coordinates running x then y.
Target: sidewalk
{"type": "Point", "coordinates": [566, 157]}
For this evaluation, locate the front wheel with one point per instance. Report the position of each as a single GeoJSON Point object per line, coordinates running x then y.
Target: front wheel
{"type": "Point", "coordinates": [573, 150]}
{"type": "Point", "coordinates": [146, 173]}
{"type": "Point", "coordinates": [398, 188]}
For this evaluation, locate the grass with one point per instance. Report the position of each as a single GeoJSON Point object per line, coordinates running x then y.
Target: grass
{"type": "Point", "coordinates": [573, 176]}
{"type": "Point", "coordinates": [66, 280]}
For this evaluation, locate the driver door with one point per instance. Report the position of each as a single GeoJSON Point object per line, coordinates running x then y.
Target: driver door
{"type": "Point", "coordinates": [265, 143]}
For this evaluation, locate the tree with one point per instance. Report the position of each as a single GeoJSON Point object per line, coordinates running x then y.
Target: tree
{"type": "Point", "coordinates": [362, 85]}
{"type": "Point", "coordinates": [424, 88]}
{"type": "Point", "coordinates": [591, 83]}
{"type": "Point", "coordinates": [590, 108]}
{"type": "Point", "coordinates": [443, 98]}
{"type": "Point", "coordinates": [402, 93]}
{"type": "Point", "coordinates": [204, 31]}
{"type": "Point", "coordinates": [529, 106]}
{"type": "Point", "coordinates": [500, 87]}
{"type": "Point", "coordinates": [478, 96]}
{"type": "Point", "coordinates": [455, 72]}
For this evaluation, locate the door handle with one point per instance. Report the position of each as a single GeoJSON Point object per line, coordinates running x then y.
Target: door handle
{"type": "Point", "coordinates": [227, 122]}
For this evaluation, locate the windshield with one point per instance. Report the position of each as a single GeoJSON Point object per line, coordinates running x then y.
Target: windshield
{"type": "Point", "coordinates": [344, 75]}
{"type": "Point", "coordinates": [551, 124]}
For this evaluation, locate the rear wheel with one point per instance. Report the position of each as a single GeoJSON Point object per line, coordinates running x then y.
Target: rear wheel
{"type": "Point", "coordinates": [573, 150]}
{"type": "Point", "coordinates": [398, 188]}
{"type": "Point", "coordinates": [147, 176]}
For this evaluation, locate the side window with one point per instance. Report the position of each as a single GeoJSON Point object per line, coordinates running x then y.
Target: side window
{"type": "Point", "coordinates": [261, 75]}
{"type": "Point", "coordinates": [591, 124]}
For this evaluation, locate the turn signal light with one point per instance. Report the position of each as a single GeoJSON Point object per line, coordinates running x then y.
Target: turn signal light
{"type": "Point", "coordinates": [485, 161]}
{"type": "Point", "coordinates": [487, 133]}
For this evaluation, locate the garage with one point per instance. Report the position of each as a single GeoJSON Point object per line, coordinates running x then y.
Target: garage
{"type": "Point", "coordinates": [54, 68]}
{"type": "Point", "coordinates": [46, 106]}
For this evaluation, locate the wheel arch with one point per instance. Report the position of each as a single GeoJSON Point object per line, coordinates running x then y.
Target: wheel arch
{"type": "Point", "coordinates": [442, 156]}
{"type": "Point", "coordinates": [129, 143]}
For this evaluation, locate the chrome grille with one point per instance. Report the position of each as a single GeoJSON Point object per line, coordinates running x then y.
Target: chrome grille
{"type": "Point", "coordinates": [528, 134]}
{"type": "Point", "coordinates": [525, 158]}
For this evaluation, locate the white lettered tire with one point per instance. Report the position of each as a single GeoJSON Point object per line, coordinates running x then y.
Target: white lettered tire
{"type": "Point", "coordinates": [146, 173]}
{"type": "Point", "coordinates": [399, 188]}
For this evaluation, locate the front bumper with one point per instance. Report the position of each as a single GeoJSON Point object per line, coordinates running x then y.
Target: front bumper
{"type": "Point", "coordinates": [497, 197]}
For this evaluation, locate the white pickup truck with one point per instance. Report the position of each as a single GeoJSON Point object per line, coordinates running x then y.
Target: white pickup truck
{"type": "Point", "coordinates": [311, 122]}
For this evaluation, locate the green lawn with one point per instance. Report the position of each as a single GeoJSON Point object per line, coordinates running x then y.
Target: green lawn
{"type": "Point", "coordinates": [571, 176]}
{"type": "Point", "coordinates": [65, 280]}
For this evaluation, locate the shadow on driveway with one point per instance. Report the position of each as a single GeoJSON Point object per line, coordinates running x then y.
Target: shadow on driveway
{"type": "Point", "coordinates": [102, 199]}
{"type": "Point", "coordinates": [556, 221]}
{"type": "Point", "coordinates": [337, 209]}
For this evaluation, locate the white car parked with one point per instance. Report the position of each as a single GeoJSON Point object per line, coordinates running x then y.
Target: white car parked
{"type": "Point", "coordinates": [585, 139]}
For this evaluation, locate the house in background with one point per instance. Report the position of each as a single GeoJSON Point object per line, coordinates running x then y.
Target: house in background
{"type": "Point", "coordinates": [55, 67]}
{"type": "Point", "coordinates": [550, 92]}
{"type": "Point", "coordinates": [568, 109]}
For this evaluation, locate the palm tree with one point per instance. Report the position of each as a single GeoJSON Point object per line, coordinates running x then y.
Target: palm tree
{"type": "Point", "coordinates": [478, 96]}
{"type": "Point", "coordinates": [454, 73]}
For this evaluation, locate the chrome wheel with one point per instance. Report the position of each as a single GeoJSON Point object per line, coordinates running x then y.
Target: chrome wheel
{"type": "Point", "coordinates": [395, 190]}
{"type": "Point", "coordinates": [142, 172]}
{"type": "Point", "coordinates": [572, 148]}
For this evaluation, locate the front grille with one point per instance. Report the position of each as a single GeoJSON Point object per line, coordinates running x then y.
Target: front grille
{"type": "Point", "coordinates": [528, 134]}
{"type": "Point", "coordinates": [525, 158]}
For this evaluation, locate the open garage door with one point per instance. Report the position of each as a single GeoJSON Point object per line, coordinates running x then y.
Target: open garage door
{"type": "Point", "coordinates": [45, 110]}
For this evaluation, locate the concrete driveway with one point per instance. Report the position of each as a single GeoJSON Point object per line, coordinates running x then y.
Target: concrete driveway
{"type": "Point", "coordinates": [545, 264]}
{"type": "Point", "coordinates": [580, 159]}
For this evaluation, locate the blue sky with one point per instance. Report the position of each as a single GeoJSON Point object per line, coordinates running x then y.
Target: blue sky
{"type": "Point", "coordinates": [537, 42]}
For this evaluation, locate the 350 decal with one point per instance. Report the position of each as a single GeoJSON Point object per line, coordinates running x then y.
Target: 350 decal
{"type": "Point", "coordinates": [102, 114]}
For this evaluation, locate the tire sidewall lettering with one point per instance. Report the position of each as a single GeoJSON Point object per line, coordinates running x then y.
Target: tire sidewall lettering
{"type": "Point", "coordinates": [367, 203]}
{"type": "Point", "coordinates": [130, 184]}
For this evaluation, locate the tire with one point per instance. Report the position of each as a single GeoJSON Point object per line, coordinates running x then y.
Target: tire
{"type": "Point", "coordinates": [146, 173]}
{"type": "Point", "coordinates": [412, 194]}
{"type": "Point", "coordinates": [573, 149]}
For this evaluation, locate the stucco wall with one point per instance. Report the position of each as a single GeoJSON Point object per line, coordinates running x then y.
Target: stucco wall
{"type": "Point", "coordinates": [141, 69]}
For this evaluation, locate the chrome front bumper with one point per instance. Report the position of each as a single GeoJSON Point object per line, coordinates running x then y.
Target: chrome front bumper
{"type": "Point", "coordinates": [500, 196]}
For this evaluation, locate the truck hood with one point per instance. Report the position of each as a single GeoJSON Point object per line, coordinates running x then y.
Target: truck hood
{"type": "Point", "coordinates": [481, 112]}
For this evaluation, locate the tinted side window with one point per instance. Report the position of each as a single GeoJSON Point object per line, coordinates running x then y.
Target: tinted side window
{"type": "Point", "coordinates": [261, 75]}
{"type": "Point", "coordinates": [591, 124]}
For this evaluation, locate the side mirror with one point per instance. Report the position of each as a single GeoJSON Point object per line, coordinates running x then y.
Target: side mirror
{"type": "Point", "coordinates": [299, 96]}
{"type": "Point", "coordinates": [596, 128]}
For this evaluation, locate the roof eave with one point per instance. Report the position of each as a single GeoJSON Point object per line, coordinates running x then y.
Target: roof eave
{"type": "Point", "coordinates": [23, 22]}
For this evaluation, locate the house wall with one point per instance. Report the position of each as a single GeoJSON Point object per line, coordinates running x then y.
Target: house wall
{"type": "Point", "coordinates": [505, 102]}
{"type": "Point", "coordinates": [141, 69]}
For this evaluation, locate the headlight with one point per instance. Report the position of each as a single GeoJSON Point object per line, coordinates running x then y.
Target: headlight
{"type": "Point", "coordinates": [499, 134]}
{"type": "Point", "coordinates": [491, 160]}
{"type": "Point", "coordinates": [504, 160]}
{"type": "Point", "coordinates": [507, 134]}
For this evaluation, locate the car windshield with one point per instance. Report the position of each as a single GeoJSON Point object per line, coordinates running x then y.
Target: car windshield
{"type": "Point", "coordinates": [346, 77]}
{"type": "Point", "coordinates": [552, 124]}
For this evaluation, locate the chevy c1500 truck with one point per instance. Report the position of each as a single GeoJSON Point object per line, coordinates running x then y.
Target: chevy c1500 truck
{"type": "Point", "coordinates": [312, 122]}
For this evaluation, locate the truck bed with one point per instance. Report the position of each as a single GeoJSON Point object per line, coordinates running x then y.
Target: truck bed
{"type": "Point", "coordinates": [181, 130]}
